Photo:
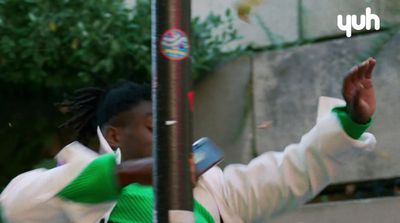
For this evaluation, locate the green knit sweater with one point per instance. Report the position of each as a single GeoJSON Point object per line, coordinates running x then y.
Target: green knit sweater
{"type": "Point", "coordinates": [142, 198]}
{"type": "Point", "coordinates": [97, 184]}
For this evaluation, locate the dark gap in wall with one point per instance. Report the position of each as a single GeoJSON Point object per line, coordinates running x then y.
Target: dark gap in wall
{"type": "Point", "coordinates": [359, 190]}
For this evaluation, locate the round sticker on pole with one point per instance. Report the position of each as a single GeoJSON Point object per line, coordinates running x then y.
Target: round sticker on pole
{"type": "Point", "coordinates": [175, 45]}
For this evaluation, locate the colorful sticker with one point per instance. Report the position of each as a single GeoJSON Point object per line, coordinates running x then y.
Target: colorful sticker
{"type": "Point", "coordinates": [175, 44]}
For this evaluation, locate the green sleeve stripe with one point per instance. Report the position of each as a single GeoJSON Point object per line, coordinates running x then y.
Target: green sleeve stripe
{"type": "Point", "coordinates": [97, 183]}
{"type": "Point", "coordinates": [202, 215]}
{"type": "Point", "coordinates": [352, 128]}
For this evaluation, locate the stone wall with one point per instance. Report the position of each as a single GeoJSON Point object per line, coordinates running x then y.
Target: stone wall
{"type": "Point", "coordinates": [263, 102]}
{"type": "Point", "coordinates": [290, 21]}
{"type": "Point", "coordinates": [288, 84]}
{"type": "Point", "coordinates": [266, 101]}
{"type": "Point", "coordinates": [384, 210]}
{"type": "Point", "coordinates": [284, 87]}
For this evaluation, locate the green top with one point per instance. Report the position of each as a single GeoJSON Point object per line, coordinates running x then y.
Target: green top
{"type": "Point", "coordinates": [136, 205]}
{"type": "Point", "coordinates": [97, 183]}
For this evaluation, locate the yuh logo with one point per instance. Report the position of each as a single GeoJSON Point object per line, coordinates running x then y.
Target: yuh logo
{"type": "Point", "coordinates": [352, 22]}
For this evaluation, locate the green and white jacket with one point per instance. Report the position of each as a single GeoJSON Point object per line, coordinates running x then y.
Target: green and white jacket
{"type": "Point", "coordinates": [84, 188]}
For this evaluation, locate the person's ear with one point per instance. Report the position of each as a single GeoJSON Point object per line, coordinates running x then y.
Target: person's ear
{"type": "Point", "coordinates": [112, 135]}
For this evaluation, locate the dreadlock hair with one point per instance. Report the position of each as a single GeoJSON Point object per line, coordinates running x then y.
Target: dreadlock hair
{"type": "Point", "coordinates": [92, 106]}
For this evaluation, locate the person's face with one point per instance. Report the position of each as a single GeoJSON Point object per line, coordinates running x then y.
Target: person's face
{"type": "Point", "coordinates": [133, 133]}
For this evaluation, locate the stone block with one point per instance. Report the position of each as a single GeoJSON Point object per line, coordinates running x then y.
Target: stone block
{"type": "Point", "coordinates": [273, 22]}
{"type": "Point", "coordinates": [384, 210]}
{"type": "Point", "coordinates": [222, 109]}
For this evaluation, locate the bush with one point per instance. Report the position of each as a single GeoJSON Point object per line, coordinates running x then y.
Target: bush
{"type": "Point", "coordinates": [75, 43]}
{"type": "Point", "coordinates": [48, 48]}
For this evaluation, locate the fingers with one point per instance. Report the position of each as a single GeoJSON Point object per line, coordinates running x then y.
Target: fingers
{"type": "Point", "coordinates": [366, 68]}
{"type": "Point", "coordinates": [363, 70]}
{"type": "Point", "coordinates": [372, 63]}
{"type": "Point", "coordinates": [358, 78]}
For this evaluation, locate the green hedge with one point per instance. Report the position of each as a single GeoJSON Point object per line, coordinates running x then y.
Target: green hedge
{"type": "Point", "coordinates": [48, 48]}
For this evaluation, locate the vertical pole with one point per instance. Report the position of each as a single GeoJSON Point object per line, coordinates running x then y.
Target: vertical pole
{"type": "Point", "coordinates": [172, 135]}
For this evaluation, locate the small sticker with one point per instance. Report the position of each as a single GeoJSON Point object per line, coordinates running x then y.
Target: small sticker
{"type": "Point", "coordinates": [175, 44]}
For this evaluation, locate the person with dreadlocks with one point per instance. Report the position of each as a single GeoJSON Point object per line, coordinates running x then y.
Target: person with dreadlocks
{"type": "Point", "coordinates": [113, 186]}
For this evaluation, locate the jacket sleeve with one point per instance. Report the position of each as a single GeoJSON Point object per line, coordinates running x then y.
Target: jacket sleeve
{"type": "Point", "coordinates": [276, 182]}
{"type": "Point", "coordinates": [67, 193]}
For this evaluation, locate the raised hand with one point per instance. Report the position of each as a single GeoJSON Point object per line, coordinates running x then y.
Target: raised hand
{"type": "Point", "coordinates": [358, 92]}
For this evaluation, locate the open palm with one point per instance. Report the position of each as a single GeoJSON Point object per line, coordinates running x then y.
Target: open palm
{"type": "Point", "coordinates": [358, 92]}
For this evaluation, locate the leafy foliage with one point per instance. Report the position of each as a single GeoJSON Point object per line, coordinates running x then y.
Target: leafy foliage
{"type": "Point", "coordinates": [49, 48]}
{"type": "Point", "coordinates": [210, 46]}
{"type": "Point", "coordinates": [70, 43]}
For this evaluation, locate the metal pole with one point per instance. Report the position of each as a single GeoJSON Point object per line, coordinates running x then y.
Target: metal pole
{"type": "Point", "coordinates": [171, 83]}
